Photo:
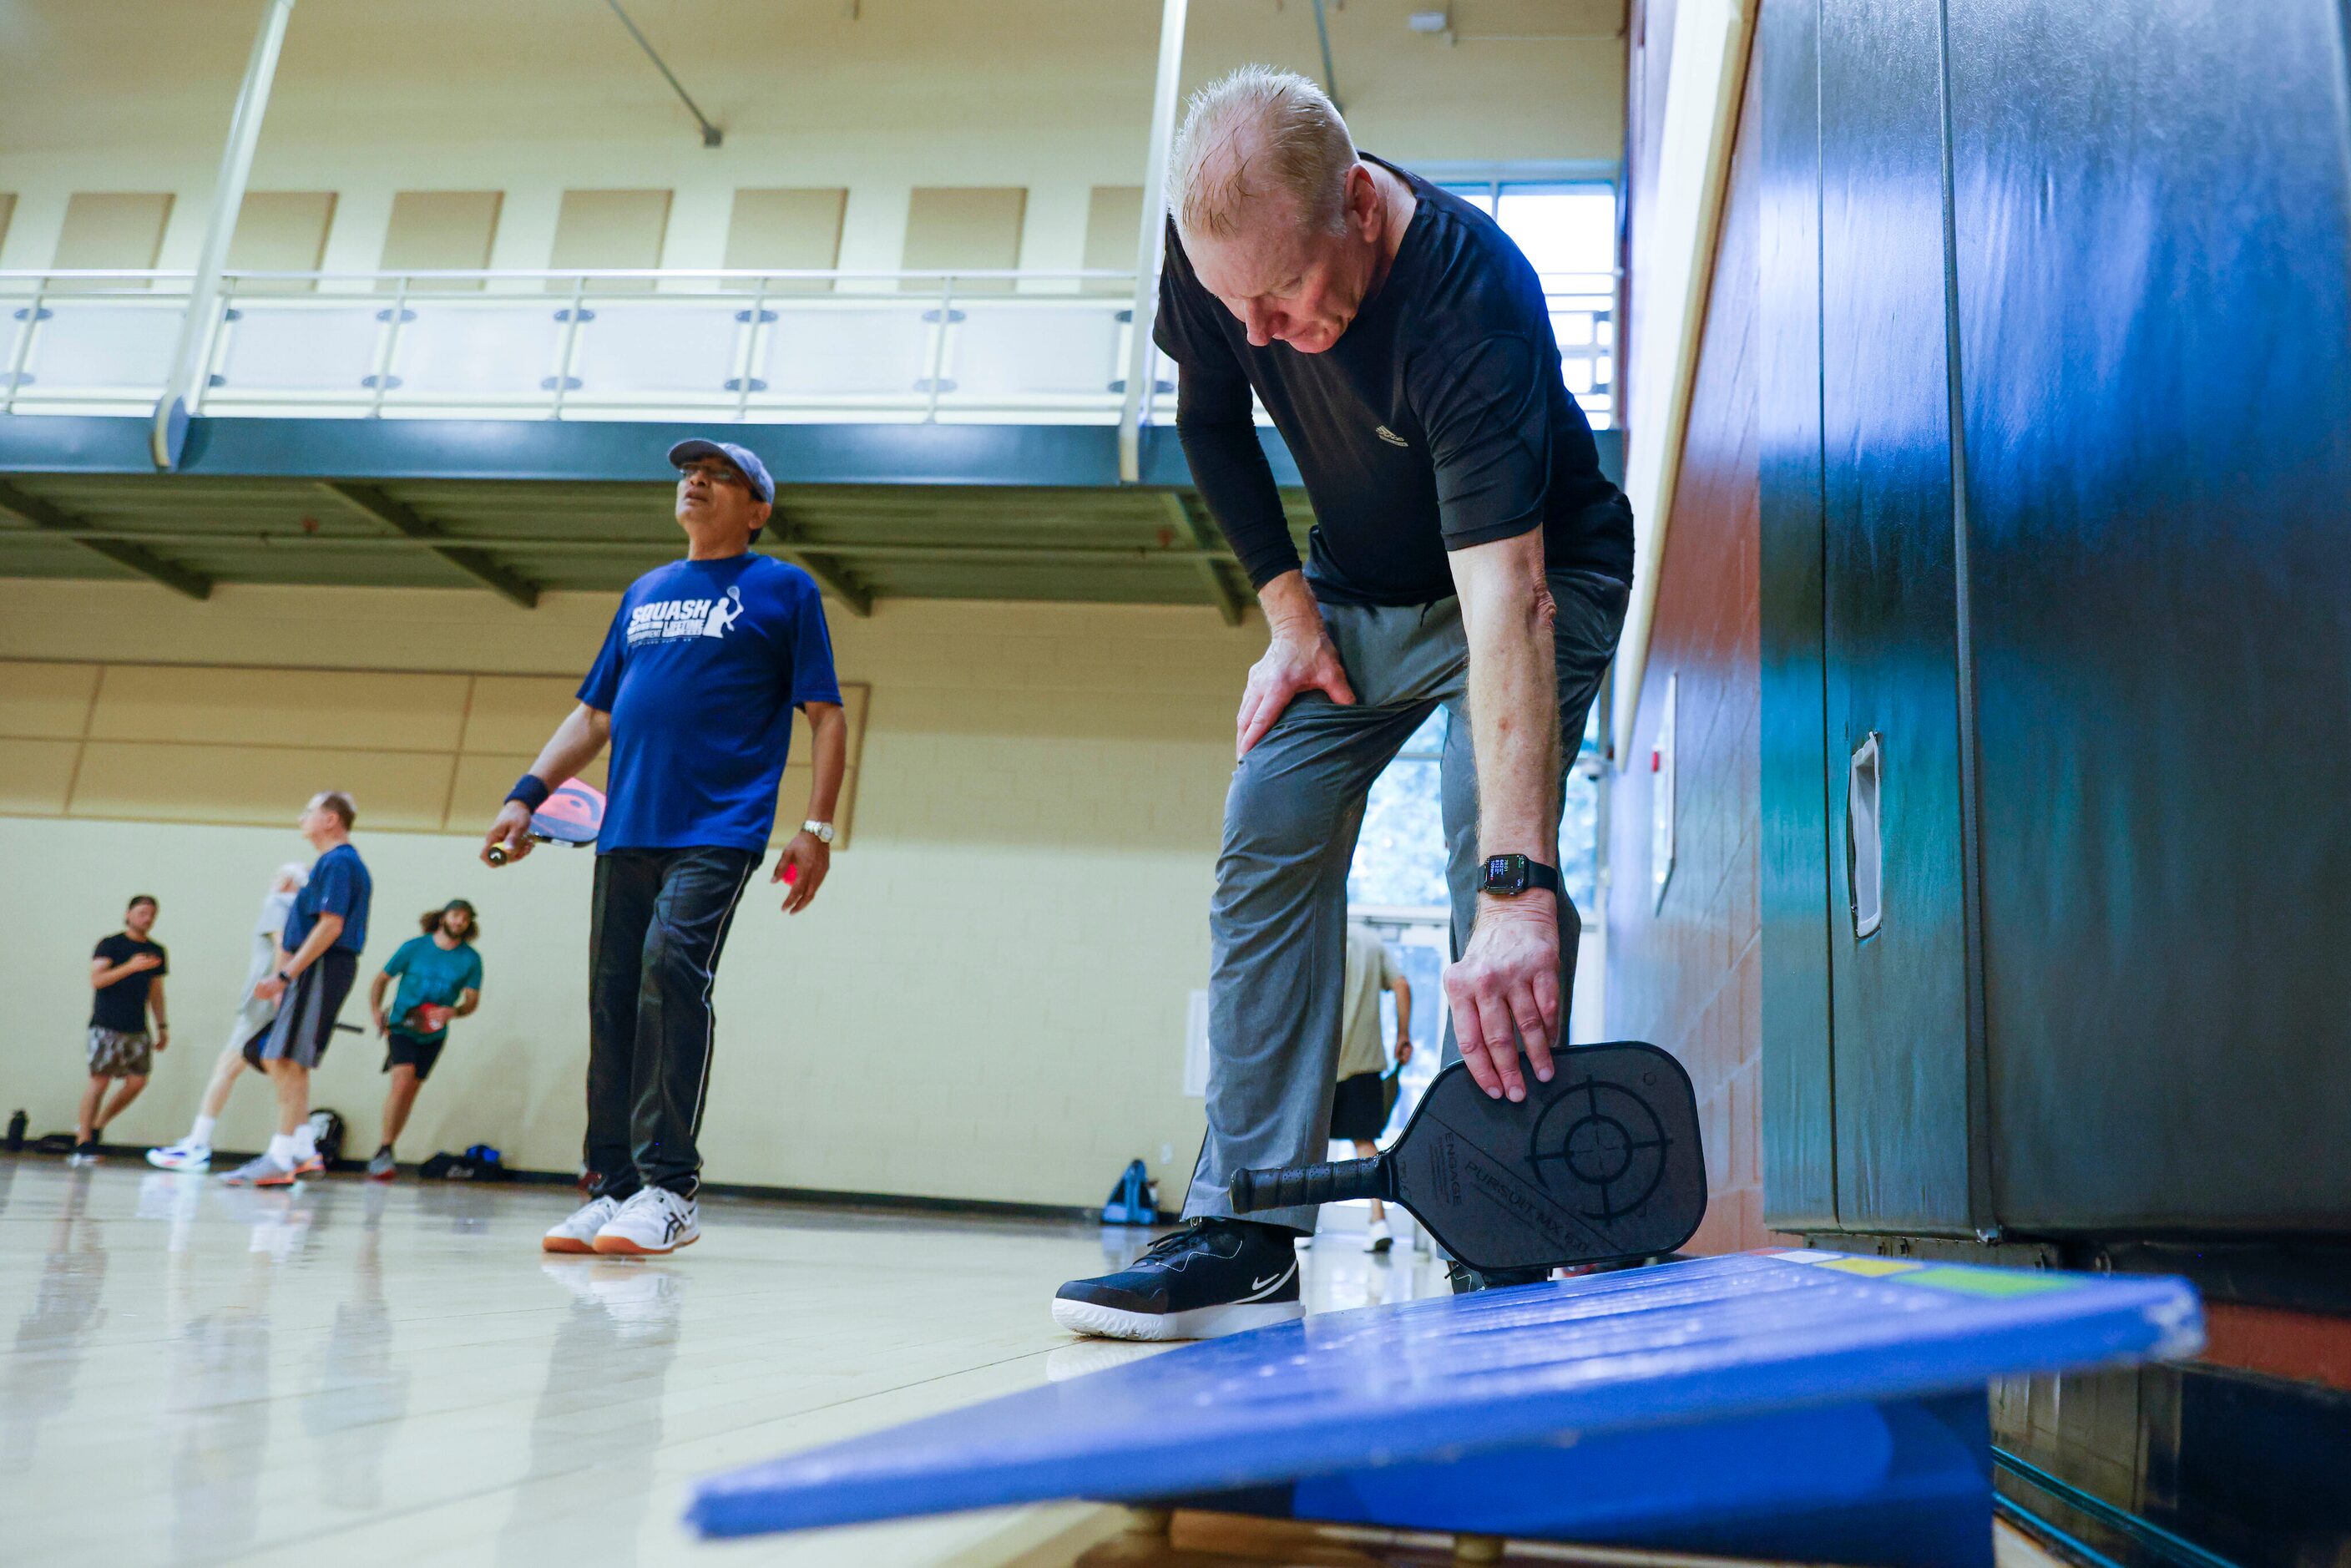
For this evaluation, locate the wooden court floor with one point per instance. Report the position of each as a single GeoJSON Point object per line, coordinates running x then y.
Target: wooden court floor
{"type": "Point", "coordinates": [362, 1374]}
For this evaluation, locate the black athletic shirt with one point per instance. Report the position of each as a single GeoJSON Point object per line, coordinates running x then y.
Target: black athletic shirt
{"type": "Point", "coordinates": [122, 1006]}
{"type": "Point", "coordinates": [1437, 420]}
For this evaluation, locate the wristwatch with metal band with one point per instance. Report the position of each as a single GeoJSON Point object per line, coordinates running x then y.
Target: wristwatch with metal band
{"type": "Point", "coordinates": [821, 830]}
{"type": "Point", "coordinates": [1507, 876]}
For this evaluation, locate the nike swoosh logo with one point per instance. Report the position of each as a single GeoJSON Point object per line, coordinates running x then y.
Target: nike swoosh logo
{"type": "Point", "coordinates": [1267, 1286]}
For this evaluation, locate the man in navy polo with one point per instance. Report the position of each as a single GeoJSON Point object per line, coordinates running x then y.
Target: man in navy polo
{"type": "Point", "coordinates": [695, 689]}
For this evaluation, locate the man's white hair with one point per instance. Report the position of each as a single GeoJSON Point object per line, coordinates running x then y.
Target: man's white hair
{"type": "Point", "coordinates": [1258, 134]}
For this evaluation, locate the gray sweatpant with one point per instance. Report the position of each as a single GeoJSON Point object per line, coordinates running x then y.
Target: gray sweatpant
{"type": "Point", "coordinates": [1278, 923]}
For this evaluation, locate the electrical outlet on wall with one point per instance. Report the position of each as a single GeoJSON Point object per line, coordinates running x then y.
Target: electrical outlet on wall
{"type": "Point", "coordinates": [1166, 1154]}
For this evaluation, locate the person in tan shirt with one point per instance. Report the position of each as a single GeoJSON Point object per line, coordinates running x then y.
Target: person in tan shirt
{"type": "Point", "coordinates": [1360, 1108]}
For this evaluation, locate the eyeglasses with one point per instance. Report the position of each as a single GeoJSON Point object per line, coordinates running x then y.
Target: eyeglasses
{"type": "Point", "coordinates": [716, 473]}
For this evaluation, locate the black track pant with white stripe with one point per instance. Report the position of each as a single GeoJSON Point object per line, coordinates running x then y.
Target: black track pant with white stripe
{"type": "Point", "coordinates": [660, 919]}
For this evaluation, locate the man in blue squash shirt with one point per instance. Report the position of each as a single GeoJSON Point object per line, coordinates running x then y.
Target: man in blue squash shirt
{"type": "Point", "coordinates": [694, 690]}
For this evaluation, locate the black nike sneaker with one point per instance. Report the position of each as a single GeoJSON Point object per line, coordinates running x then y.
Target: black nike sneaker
{"type": "Point", "coordinates": [1215, 1275]}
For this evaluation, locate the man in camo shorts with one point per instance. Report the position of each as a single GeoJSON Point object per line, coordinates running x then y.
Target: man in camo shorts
{"type": "Point", "coordinates": [126, 974]}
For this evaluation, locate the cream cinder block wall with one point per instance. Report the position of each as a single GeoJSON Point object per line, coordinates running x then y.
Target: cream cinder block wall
{"type": "Point", "coordinates": [214, 743]}
{"type": "Point", "coordinates": [986, 1001]}
{"type": "Point", "coordinates": [533, 96]}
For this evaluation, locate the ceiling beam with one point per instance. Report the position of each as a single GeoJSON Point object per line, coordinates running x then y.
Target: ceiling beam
{"type": "Point", "coordinates": [829, 552]}
{"type": "Point", "coordinates": [830, 576]}
{"type": "Point", "coordinates": [412, 524]}
{"type": "Point", "coordinates": [1034, 555]}
{"type": "Point", "coordinates": [1188, 521]}
{"type": "Point", "coordinates": [854, 598]}
{"type": "Point", "coordinates": [54, 522]}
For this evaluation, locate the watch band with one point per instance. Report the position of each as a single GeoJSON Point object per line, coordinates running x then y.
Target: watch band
{"type": "Point", "coordinates": [1507, 876]}
{"type": "Point", "coordinates": [822, 831]}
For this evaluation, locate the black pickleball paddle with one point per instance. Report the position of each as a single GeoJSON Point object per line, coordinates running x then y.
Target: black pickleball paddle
{"type": "Point", "coordinates": [1600, 1164]}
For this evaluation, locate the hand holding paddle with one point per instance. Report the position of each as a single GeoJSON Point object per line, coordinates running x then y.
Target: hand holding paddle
{"type": "Point", "coordinates": [573, 814]}
{"type": "Point", "coordinates": [509, 839]}
{"type": "Point", "coordinates": [1504, 992]}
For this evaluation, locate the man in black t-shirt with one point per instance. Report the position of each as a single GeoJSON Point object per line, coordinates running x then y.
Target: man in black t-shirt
{"type": "Point", "coordinates": [126, 978]}
{"type": "Point", "coordinates": [1467, 552]}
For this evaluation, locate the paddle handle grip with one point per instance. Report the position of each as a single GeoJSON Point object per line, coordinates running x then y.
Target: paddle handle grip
{"type": "Point", "coordinates": [1297, 1185]}
{"type": "Point", "coordinates": [499, 856]}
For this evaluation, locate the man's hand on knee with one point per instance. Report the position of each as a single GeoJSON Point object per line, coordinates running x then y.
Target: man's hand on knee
{"type": "Point", "coordinates": [1505, 991]}
{"type": "Point", "coordinates": [1289, 667]}
{"type": "Point", "coordinates": [1300, 657]}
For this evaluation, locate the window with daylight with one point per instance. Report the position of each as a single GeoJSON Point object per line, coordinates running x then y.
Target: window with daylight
{"type": "Point", "coordinates": [1568, 231]}
{"type": "Point", "coordinates": [1400, 856]}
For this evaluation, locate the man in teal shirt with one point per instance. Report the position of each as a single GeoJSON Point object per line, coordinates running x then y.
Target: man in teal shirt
{"type": "Point", "coordinates": [440, 978]}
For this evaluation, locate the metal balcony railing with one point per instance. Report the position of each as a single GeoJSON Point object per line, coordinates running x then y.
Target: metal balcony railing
{"type": "Point", "coordinates": [832, 346]}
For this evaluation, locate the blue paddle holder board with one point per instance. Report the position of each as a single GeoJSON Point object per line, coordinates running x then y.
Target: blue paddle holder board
{"type": "Point", "coordinates": [1799, 1405]}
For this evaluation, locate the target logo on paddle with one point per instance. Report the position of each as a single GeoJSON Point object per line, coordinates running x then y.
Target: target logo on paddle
{"type": "Point", "coordinates": [1602, 1145]}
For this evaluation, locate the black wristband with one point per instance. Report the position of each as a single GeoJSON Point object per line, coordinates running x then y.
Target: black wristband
{"type": "Point", "coordinates": [530, 791]}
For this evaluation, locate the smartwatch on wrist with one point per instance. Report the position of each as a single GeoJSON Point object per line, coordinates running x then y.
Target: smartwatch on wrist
{"type": "Point", "coordinates": [284, 978]}
{"type": "Point", "coordinates": [1507, 876]}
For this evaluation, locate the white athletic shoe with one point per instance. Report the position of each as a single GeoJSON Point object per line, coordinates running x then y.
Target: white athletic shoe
{"type": "Point", "coordinates": [653, 1222]}
{"type": "Point", "coordinates": [1376, 1238]}
{"type": "Point", "coordinates": [182, 1156]}
{"type": "Point", "coordinates": [578, 1233]}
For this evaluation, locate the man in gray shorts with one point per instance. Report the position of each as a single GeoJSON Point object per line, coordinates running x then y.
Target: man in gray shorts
{"type": "Point", "coordinates": [325, 930]}
{"type": "Point", "coordinates": [1467, 551]}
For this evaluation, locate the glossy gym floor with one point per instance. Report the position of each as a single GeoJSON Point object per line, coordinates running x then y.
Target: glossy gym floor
{"type": "Point", "coordinates": [359, 1374]}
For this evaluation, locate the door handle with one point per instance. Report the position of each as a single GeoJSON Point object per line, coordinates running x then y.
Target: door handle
{"type": "Point", "coordinates": [1864, 861]}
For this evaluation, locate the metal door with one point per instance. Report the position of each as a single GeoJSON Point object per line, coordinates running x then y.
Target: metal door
{"type": "Point", "coordinates": [1891, 613]}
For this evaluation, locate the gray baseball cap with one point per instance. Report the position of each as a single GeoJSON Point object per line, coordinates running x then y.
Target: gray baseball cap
{"type": "Point", "coordinates": [746, 462]}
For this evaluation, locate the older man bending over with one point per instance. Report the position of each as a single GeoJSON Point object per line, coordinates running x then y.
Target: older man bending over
{"type": "Point", "coordinates": [1467, 551]}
